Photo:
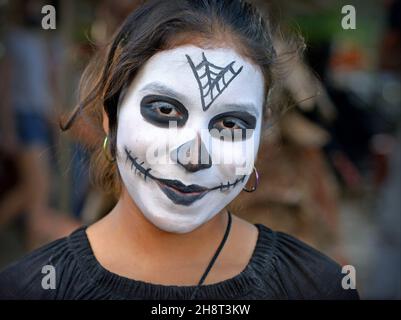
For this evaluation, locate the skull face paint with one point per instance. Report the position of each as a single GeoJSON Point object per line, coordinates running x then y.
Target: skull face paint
{"type": "Point", "coordinates": [201, 91]}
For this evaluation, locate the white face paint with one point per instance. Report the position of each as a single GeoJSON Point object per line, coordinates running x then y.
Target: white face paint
{"type": "Point", "coordinates": [183, 192]}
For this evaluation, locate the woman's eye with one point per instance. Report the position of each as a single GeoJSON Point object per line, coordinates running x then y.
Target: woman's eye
{"type": "Point", "coordinates": [165, 109]}
{"type": "Point", "coordinates": [160, 111]}
{"type": "Point", "coordinates": [229, 124]}
{"type": "Point", "coordinates": [230, 129]}
{"type": "Point", "coordinates": [232, 126]}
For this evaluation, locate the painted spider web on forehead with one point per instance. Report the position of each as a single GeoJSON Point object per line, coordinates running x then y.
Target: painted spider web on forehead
{"type": "Point", "coordinates": [212, 80]}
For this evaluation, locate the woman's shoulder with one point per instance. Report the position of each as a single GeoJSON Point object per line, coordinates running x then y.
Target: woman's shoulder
{"type": "Point", "coordinates": [41, 273]}
{"type": "Point", "coordinates": [284, 267]}
{"type": "Point", "coordinates": [296, 270]}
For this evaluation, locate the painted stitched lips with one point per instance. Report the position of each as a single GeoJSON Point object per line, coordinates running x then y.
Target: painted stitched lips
{"type": "Point", "coordinates": [175, 190]}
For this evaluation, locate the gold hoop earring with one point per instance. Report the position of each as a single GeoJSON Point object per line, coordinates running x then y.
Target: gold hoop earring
{"type": "Point", "coordinates": [254, 187]}
{"type": "Point", "coordinates": [105, 143]}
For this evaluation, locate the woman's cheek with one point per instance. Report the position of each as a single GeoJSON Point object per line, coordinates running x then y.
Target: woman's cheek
{"type": "Point", "coordinates": [229, 157]}
{"type": "Point", "coordinates": [140, 136]}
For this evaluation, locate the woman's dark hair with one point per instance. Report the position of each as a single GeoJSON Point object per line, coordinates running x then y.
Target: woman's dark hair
{"type": "Point", "coordinates": [160, 25]}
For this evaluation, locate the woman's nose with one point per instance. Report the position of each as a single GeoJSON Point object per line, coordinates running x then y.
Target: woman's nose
{"type": "Point", "coordinates": [192, 155]}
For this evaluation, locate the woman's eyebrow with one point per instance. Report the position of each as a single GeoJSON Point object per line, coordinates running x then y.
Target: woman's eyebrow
{"type": "Point", "coordinates": [246, 107]}
{"type": "Point", "coordinates": [157, 87]}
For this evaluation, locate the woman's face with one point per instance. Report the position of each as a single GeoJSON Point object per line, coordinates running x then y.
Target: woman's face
{"type": "Point", "coordinates": [188, 133]}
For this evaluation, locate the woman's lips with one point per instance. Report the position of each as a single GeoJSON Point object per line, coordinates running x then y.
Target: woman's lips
{"type": "Point", "coordinates": [181, 194]}
{"type": "Point", "coordinates": [176, 184]}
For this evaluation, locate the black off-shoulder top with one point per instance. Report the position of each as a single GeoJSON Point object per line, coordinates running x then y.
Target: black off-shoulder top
{"type": "Point", "coordinates": [281, 267]}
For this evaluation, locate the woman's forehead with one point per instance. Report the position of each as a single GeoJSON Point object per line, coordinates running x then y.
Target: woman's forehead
{"type": "Point", "coordinates": [218, 56]}
{"type": "Point", "coordinates": [209, 76]}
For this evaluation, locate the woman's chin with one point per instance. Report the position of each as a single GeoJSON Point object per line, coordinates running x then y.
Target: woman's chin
{"type": "Point", "coordinates": [174, 223]}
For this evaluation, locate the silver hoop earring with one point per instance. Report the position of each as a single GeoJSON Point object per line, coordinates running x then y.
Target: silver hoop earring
{"type": "Point", "coordinates": [254, 187]}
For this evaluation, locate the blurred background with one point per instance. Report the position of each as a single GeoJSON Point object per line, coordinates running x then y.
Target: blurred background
{"type": "Point", "coordinates": [330, 167]}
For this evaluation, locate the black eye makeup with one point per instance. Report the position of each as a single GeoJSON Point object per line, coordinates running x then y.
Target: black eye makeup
{"type": "Point", "coordinates": [160, 110]}
{"type": "Point", "coordinates": [228, 122]}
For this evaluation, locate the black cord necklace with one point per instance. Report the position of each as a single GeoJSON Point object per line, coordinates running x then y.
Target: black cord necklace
{"type": "Point", "coordinates": [216, 254]}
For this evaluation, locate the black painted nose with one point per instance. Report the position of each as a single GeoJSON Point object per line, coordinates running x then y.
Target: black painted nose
{"type": "Point", "coordinates": [192, 155]}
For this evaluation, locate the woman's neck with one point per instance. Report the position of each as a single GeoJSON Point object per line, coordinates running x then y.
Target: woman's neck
{"type": "Point", "coordinates": [126, 243]}
{"type": "Point", "coordinates": [130, 236]}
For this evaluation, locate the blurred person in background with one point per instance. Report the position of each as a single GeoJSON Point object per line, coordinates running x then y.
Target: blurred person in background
{"type": "Point", "coordinates": [88, 202]}
{"type": "Point", "coordinates": [28, 110]}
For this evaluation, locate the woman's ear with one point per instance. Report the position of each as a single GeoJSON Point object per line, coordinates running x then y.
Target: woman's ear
{"type": "Point", "coordinates": [105, 123]}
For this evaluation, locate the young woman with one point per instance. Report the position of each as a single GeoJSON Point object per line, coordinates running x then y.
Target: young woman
{"type": "Point", "coordinates": [183, 91]}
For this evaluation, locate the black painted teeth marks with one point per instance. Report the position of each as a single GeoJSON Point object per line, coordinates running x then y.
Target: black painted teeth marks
{"type": "Point", "coordinates": [224, 187]}
{"type": "Point", "coordinates": [138, 166]}
{"type": "Point", "coordinates": [212, 80]}
{"type": "Point", "coordinates": [147, 173]}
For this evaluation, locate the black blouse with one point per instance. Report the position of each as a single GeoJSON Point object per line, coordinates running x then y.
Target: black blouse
{"type": "Point", "coordinates": [281, 267]}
